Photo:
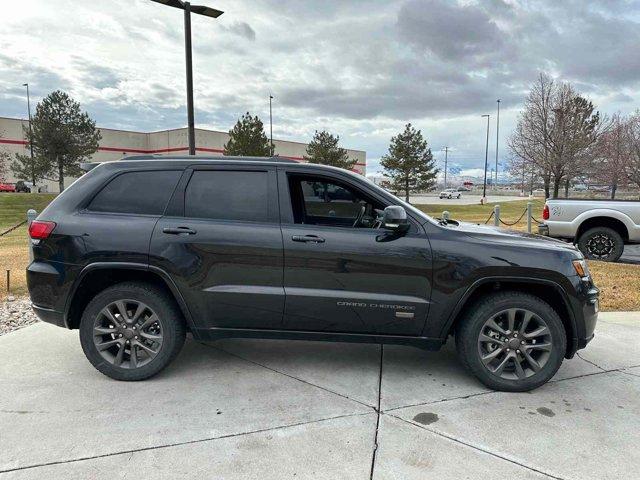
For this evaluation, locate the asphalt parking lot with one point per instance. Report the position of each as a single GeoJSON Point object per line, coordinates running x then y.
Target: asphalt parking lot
{"type": "Point", "coordinates": [275, 409]}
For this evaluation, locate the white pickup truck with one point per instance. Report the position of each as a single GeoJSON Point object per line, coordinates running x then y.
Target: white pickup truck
{"type": "Point", "coordinates": [600, 228]}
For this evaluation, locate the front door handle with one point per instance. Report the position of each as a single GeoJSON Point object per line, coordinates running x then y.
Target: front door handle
{"type": "Point", "coordinates": [307, 238]}
{"type": "Point", "coordinates": [179, 231]}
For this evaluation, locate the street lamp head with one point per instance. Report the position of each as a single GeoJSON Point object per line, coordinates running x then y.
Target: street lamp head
{"type": "Point", "coordinates": [485, 116]}
{"type": "Point", "coordinates": [25, 84]}
{"type": "Point", "coordinates": [199, 9]}
{"type": "Point", "coordinates": [171, 3]}
{"type": "Point", "coordinates": [206, 11]}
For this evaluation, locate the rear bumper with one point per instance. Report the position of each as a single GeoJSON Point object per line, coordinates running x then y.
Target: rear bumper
{"type": "Point", "coordinates": [49, 285]}
{"type": "Point", "coordinates": [50, 316]}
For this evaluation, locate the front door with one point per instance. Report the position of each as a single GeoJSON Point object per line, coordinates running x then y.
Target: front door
{"type": "Point", "coordinates": [342, 273]}
{"type": "Point", "coordinates": [221, 243]}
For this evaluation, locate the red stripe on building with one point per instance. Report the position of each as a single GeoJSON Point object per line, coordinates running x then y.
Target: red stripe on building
{"type": "Point", "coordinates": [153, 151]}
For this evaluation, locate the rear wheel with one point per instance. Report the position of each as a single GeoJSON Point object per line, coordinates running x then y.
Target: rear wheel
{"type": "Point", "coordinates": [511, 341]}
{"type": "Point", "coordinates": [131, 331]}
{"type": "Point", "coordinates": [601, 243]}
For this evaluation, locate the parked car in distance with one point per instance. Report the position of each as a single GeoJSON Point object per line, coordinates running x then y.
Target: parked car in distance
{"type": "Point", "coordinates": [7, 187]}
{"type": "Point", "coordinates": [600, 228]}
{"type": "Point", "coordinates": [227, 247]}
{"type": "Point", "coordinates": [450, 193]}
{"type": "Point", "coordinates": [23, 187]}
{"type": "Point", "coordinates": [463, 189]}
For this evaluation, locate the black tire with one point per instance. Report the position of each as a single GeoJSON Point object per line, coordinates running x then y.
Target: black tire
{"type": "Point", "coordinates": [601, 243]}
{"type": "Point", "coordinates": [473, 324]}
{"type": "Point", "coordinates": [167, 321]}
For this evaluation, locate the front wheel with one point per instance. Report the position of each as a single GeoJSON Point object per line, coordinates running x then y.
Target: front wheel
{"type": "Point", "coordinates": [601, 243]}
{"type": "Point", "coordinates": [131, 331]}
{"type": "Point", "coordinates": [511, 341]}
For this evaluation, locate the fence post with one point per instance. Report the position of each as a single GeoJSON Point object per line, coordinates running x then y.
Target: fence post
{"type": "Point", "coordinates": [445, 215]}
{"type": "Point", "coordinates": [496, 215]}
{"type": "Point", "coordinates": [31, 216]}
{"type": "Point", "coordinates": [529, 215]}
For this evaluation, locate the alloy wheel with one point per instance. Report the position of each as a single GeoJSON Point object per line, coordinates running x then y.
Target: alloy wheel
{"type": "Point", "coordinates": [600, 246]}
{"type": "Point", "coordinates": [127, 334]}
{"type": "Point", "coordinates": [515, 344]}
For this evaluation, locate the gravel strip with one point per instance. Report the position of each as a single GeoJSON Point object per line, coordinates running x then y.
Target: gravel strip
{"type": "Point", "coordinates": [16, 314]}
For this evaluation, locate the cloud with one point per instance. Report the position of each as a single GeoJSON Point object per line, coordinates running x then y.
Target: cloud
{"type": "Point", "coordinates": [242, 29]}
{"type": "Point", "coordinates": [448, 30]}
{"type": "Point", "coordinates": [360, 69]}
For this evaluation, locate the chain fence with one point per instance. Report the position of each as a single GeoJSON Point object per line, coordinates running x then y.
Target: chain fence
{"type": "Point", "coordinates": [13, 228]}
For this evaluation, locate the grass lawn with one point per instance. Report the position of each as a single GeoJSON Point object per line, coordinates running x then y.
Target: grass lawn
{"type": "Point", "coordinates": [619, 283]}
{"type": "Point", "coordinates": [509, 212]}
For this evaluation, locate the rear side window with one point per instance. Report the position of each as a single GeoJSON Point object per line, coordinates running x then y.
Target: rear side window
{"type": "Point", "coordinates": [144, 193]}
{"type": "Point", "coordinates": [227, 195]}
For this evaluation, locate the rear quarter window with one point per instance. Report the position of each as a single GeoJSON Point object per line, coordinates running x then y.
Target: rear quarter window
{"type": "Point", "coordinates": [143, 193]}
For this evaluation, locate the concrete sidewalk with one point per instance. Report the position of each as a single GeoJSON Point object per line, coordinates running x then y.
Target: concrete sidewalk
{"type": "Point", "coordinates": [274, 409]}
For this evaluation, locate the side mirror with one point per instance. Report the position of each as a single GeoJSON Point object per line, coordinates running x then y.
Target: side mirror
{"type": "Point", "coordinates": [395, 218]}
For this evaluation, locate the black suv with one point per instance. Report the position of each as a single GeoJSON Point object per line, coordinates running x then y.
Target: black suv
{"type": "Point", "coordinates": [137, 253]}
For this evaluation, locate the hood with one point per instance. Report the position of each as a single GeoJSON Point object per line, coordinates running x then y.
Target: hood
{"type": "Point", "coordinates": [512, 237]}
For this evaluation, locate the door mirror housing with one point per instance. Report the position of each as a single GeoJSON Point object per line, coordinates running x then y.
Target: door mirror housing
{"type": "Point", "coordinates": [395, 218]}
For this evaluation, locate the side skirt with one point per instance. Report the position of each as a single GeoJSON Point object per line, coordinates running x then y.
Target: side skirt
{"type": "Point", "coordinates": [209, 334]}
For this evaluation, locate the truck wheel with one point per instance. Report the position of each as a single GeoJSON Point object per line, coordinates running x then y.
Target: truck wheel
{"type": "Point", "coordinates": [601, 243]}
{"type": "Point", "coordinates": [131, 331]}
{"type": "Point", "coordinates": [511, 341]}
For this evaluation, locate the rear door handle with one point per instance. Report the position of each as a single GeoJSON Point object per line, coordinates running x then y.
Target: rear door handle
{"type": "Point", "coordinates": [179, 231]}
{"type": "Point", "coordinates": [307, 238]}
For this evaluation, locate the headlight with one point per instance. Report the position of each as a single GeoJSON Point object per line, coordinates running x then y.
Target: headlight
{"type": "Point", "coordinates": [581, 268]}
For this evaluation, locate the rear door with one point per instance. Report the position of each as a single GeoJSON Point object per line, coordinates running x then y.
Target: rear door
{"type": "Point", "coordinates": [221, 243]}
{"type": "Point", "coordinates": [341, 272]}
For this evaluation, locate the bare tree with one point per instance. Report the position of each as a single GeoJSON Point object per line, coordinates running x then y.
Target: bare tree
{"type": "Point", "coordinates": [613, 154]}
{"type": "Point", "coordinates": [529, 143]}
{"type": "Point", "coordinates": [556, 132]}
{"type": "Point", "coordinates": [576, 127]}
{"type": "Point", "coordinates": [633, 139]}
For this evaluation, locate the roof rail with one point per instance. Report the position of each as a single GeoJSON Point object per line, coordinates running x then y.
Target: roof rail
{"type": "Point", "coordinates": [140, 157]}
{"type": "Point", "coordinates": [275, 158]}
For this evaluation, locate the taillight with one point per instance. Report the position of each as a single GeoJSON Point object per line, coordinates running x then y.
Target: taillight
{"type": "Point", "coordinates": [545, 212]}
{"type": "Point", "coordinates": [41, 230]}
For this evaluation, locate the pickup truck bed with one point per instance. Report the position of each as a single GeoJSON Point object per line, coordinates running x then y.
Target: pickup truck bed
{"type": "Point", "coordinates": [600, 228]}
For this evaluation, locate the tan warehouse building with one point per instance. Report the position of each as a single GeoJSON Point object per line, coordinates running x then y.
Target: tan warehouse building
{"type": "Point", "coordinates": [116, 143]}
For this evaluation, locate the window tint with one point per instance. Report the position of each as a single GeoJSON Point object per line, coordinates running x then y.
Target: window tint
{"type": "Point", "coordinates": [228, 195]}
{"type": "Point", "coordinates": [317, 201]}
{"type": "Point", "coordinates": [137, 192]}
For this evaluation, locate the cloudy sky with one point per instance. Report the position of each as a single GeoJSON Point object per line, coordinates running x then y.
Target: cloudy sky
{"type": "Point", "coordinates": [361, 69]}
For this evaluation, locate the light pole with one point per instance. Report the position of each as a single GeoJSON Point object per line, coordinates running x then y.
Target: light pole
{"type": "Point", "coordinates": [495, 186]}
{"type": "Point", "coordinates": [200, 10]}
{"type": "Point", "coordinates": [33, 175]}
{"type": "Point", "coordinates": [486, 162]}
{"type": "Point", "coordinates": [446, 151]}
{"type": "Point", "coordinates": [271, 124]}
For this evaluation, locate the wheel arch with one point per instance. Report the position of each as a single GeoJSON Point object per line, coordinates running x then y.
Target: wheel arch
{"type": "Point", "coordinates": [97, 276]}
{"type": "Point", "coordinates": [603, 221]}
{"type": "Point", "coordinates": [547, 290]}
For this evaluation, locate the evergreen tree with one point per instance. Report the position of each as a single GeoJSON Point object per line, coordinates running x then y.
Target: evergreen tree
{"type": "Point", "coordinates": [62, 136]}
{"type": "Point", "coordinates": [324, 149]}
{"type": "Point", "coordinates": [409, 163]}
{"type": "Point", "coordinates": [247, 138]}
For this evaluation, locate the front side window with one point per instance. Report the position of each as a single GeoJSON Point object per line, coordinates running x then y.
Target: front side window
{"type": "Point", "coordinates": [318, 201]}
{"type": "Point", "coordinates": [228, 195]}
{"type": "Point", "coordinates": [142, 193]}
